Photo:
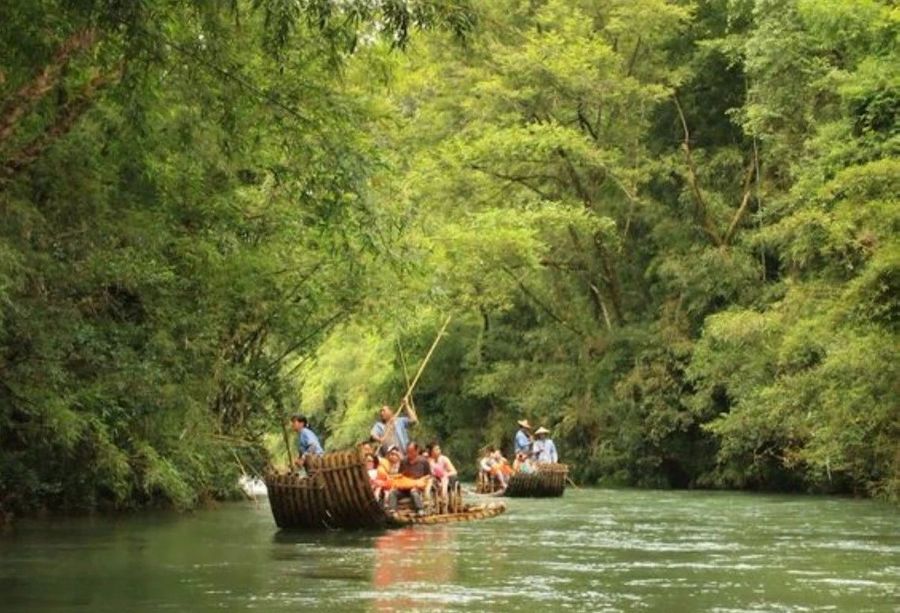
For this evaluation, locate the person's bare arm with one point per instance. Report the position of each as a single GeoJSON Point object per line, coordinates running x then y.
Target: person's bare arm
{"type": "Point", "coordinates": [451, 469]}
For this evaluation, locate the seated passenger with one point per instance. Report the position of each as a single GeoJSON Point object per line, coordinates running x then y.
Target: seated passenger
{"type": "Point", "coordinates": [370, 468]}
{"type": "Point", "coordinates": [502, 464]}
{"type": "Point", "coordinates": [491, 466]}
{"type": "Point", "coordinates": [378, 476]}
{"type": "Point", "coordinates": [442, 468]}
{"type": "Point", "coordinates": [414, 478]}
{"type": "Point", "coordinates": [391, 462]}
{"type": "Point", "coordinates": [486, 463]}
{"type": "Point", "coordinates": [523, 464]}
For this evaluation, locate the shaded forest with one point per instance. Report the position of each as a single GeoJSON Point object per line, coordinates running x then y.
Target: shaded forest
{"type": "Point", "coordinates": [668, 230]}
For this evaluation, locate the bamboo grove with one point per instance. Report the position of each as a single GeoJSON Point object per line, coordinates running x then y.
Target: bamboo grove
{"type": "Point", "coordinates": [665, 229]}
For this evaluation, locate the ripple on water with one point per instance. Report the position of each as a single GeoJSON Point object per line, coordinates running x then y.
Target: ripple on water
{"type": "Point", "coordinates": [593, 550]}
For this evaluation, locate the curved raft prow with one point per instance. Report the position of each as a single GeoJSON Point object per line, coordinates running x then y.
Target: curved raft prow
{"type": "Point", "coordinates": [549, 481]}
{"type": "Point", "coordinates": [336, 493]}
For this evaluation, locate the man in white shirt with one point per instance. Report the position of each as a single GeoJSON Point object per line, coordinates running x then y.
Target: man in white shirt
{"type": "Point", "coordinates": [543, 449]}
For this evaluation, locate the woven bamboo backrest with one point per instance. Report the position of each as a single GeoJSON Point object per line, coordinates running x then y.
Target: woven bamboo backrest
{"type": "Point", "coordinates": [336, 493]}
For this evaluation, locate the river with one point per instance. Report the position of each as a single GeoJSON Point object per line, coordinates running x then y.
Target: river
{"type": "Point", "coordinates": [593, 550]}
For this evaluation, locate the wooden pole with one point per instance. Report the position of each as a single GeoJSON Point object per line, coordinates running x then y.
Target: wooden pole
{"type": "Point", "coordinates": [287, 446]}
{"type": "Point", "coordinates": [405, 371]}
{"type": "Point", "coordinates": [415, 380]}
{"type": "Point", "coordinates": [407, 397]}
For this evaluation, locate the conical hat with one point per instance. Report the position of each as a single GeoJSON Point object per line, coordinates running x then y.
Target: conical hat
{"type": "Point", "coordinates": [524, 423]}
{"type": "Point", "coordinates": [542, 430]}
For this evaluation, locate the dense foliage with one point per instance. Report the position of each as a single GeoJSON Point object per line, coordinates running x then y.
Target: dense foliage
{"type": "Point", "coordinates": [665, 229]}
{"type": "Point", "coordinates": [183, 195]}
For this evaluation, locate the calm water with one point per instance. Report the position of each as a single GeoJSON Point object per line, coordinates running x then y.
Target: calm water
{"type": "Point", "coordinates": [593, 550]}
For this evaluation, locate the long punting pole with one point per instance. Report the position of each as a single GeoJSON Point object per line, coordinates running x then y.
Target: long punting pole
{"type": "Point", "coordinates": [407, 397]}
{"type": "Point", "coordinates": [405, 370]}
{"type": "Point", "coordinates": [287, 447]}
{"type": "Point", "coordinates": [415, 380]}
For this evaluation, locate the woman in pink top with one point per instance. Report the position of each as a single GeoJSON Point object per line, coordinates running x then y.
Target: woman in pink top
{"type": "Point", "coordinates": [441, 467]}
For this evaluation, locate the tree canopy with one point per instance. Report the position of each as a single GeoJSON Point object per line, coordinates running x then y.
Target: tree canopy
{"type": "Point", "coordinates": [668, 230]}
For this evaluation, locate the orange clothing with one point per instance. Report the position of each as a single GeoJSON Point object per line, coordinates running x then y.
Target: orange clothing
{"type": "Point", "coordinates": [382, 478]}
{"type": "Point", "coordinates": [400, 482]}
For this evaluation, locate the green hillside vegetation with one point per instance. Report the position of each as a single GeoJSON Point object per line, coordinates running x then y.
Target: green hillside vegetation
{"type": "Point", "coordinates": [668, 230]}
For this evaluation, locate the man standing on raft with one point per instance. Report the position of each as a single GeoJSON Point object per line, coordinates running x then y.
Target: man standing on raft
{"type": "Point", "coordinates": [522, 442]}
{"type": "Point", "coordinates": [307, 441]}
{"type": "Point", "coordinates": [544, 450]}
{"type": "Point", "coordinates": [391, 429]}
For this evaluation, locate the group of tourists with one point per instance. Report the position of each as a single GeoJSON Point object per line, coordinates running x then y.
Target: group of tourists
{"type": "Point", "coordinates": [399, 468]}
{"type": "Point", "coordinates": [529, 451]}
{"type": "Point", "coordinates": [409, 474]}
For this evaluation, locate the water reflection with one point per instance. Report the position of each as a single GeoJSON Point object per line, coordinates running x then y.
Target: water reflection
{"type": "Point", "coordinates": [409, 563]}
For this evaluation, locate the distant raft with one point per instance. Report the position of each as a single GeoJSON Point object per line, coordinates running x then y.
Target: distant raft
{"type": "Point", "coordinates": [336, 494]}
{"type": "Point", "coordinates": [549, 481]}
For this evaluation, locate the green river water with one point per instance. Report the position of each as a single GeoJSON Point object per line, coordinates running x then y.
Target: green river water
{"type": "Point", "coordinates": [593, 550]}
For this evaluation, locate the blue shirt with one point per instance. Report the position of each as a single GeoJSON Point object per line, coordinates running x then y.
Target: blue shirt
{"type": "Point", "coordinates": [523, 443]}
{"type": "Point", "coordinates": [378, 430]}
{"type": "Point", "coordinates": [545, 451]}
{"type": "Point", "coordinates": [401, 431]}
{"type": "Point", "coordinates": [308, 442]}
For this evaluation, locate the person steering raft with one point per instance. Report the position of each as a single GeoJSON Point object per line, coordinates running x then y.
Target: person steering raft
{"type": "Point", "coordinates": [307, 441]}
{"type": "Point", "coordinates": [544, 450]}
{"type": "Point", "coordinates": [522, 441]}
{"type": "Point", "coordinates": [393, 428]}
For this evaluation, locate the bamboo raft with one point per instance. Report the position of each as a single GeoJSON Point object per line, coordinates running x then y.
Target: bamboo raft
{"type": "Point", "coordinates": [549, 481]}
{"type": "Point", "coordinates": [336, 493]}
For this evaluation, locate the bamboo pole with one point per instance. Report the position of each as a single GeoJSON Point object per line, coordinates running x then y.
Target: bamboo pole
{"type": "Point", "coordinates": [407, 397]}
{"type": "Point", "coordinates": [434, 345]}
{"type": "Point", "coordinates": [405, 370]}
{"type": "Point", "coordinates": [287, 447]}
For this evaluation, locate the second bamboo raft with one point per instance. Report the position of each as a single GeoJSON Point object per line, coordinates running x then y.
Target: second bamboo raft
{"type": "Point", "coordinates": [548, 481]}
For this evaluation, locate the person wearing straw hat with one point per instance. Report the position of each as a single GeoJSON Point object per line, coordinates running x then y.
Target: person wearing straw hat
{"type": "Point", "coordinates": [523, 438]}
{"type": "Point", "coordinates": [543, 449]}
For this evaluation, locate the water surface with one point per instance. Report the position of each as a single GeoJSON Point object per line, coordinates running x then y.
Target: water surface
{"type": "Point", "coordinates": [593, 550]}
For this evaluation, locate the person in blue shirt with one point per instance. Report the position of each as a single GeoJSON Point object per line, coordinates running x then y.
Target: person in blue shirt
{"type": "Point", "coordinates": [307, 441]}
{"type": "Point", "coordinates": [543, 450]}
{"type": "Point", "coordinates": [393, 429]}
{"type": "Point", "coordinates": [522, 442]}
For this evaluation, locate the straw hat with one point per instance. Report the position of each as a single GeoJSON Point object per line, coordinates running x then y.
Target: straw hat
{"type": "Point", "coordinates": [542, 430]}
{"type": "Point", "coordinates": [524, 423]}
